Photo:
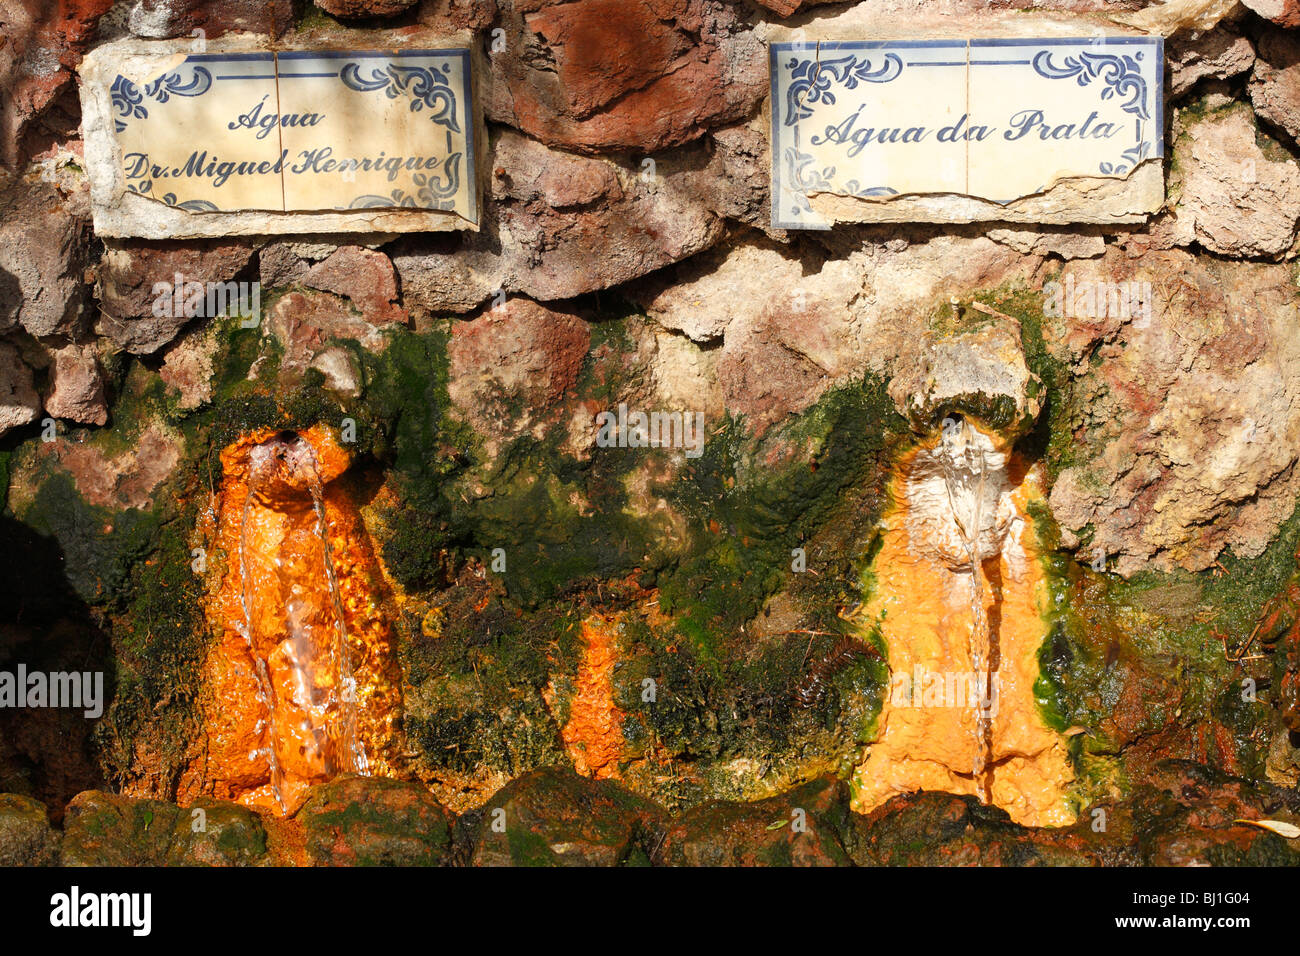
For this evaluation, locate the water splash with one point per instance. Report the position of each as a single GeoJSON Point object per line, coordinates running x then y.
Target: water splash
{"type": "Point", "coordinates": [347, 742]}
{"type": "Point", "coordinates": [265, 693]}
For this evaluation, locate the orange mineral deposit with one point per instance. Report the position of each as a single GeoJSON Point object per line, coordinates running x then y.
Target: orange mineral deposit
{"type": "Point", "coordinates": [593, 734]}
{"type": "Point", "coordinates": [301, 684]}
{"type": "Point", "coordinates": [961, 601]}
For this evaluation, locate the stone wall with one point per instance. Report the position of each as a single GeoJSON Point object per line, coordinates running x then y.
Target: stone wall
{"type": "Point", "coordinates": [472, 366]}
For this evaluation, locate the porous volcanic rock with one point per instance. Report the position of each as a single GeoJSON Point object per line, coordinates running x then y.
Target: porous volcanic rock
{"type": "Point", "coordinates": [107, 829]}
{"type": "Point", "coordinates": [78, 386]}
{"type": "Point", "coordinates": [129, 273]}
{"type": "Point", "coordinates": [1188, 418]}
{"type": "Point", "coordinates": [1236, 198]}
{"type": "Point", "coordinates": [1275, 81]}
{"type": "Point", "coordinates": [44, 249]}
{"type": "Point", "coordinates": [560, 226]}
{"type": "Point", "coordinates": [26, 837]}
{"type": "Point", "coordinates": [641, 75]}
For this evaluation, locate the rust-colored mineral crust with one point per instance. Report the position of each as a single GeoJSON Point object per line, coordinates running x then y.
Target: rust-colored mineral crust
{"type": "Point", "coordinates": [301, 683]}
{"type": "Point", "coordinates": [593, 734]}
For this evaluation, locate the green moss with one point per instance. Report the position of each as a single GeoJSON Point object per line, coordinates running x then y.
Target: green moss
{"type": "Point", "coordinates": [1156, 632]}
{"type": "Point", "coordinates": [835, 452]}
{"type": "Point", "coordinates": [405, 422]}
{"type": "Point", "coordinates": [1051, 439]}
{"type": "Point", "coordinates": [99, 545]}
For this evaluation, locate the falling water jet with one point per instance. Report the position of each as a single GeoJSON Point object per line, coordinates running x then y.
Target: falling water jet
{"type": "Point", "coordinates": [302, 685]}
{"type": "Point", "coordinates": [959, 438]}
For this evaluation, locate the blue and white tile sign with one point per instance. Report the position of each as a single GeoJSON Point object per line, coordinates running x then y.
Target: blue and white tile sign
{"type": "Point", "coordinates": [301, 131]}
{"type": "Point", "coordinates": [993, 119]}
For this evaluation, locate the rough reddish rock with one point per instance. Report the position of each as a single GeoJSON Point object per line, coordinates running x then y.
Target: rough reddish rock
{"type": "Point", "coordinates": [986, 364]}
{"type": "Point", "coordinates": [599, 54]}
{"type": "Point", "coordinates": [1181, 814]}
{"type": "Point", "coordinates": [513, 365]}
{"type": "Point", "coordinates": [1186, 813]}
{"type": "Point", "coordinates": [305, 322]}
{"type": "Point", "coordinates": [1044, 242]}
{"type": "Point", "coordinates": [278, 265]}
{"type": "Point", "coordinates": [126, 480]}
{"type": "Point", "coordinates": [43, 254]}
{"type": "Point", "coordinates": [533, 241]}
{"type": "Point", "coordinates": [527, 171]}
{"type": "Point", "coordinates": [360, 9]}
{"type": "Point", "coordinates": [448, 15]}
{"type": "Point", "coordinates": [78, 387]}
{"type": "Point", "coordinates": [127, 276]}
{"type": "Point", "coordinates": [19, 403]}
{"type": "Point", "coordinates": [806, 826]}
{"type": "Point", "coordinates": [187, 366]}
{"type": "Point", "coordinates": [1285, 13]}
{"type": "Point", "coordinates": [364, 276]}
{"type": "Point", "coordinates": [738, 179]}
{"type": "Point", "coordinates": [44, 43]}
{"type": "Point", "coordinates": [158, 19]}
{"type": "Point", "coordinates": [1188, 426]}
{"type": "Point", "coordinates": [942, 829]}
{"type": "Point", "coordinates": [641, 75]}
{"type": "Point", "coordinates": [790, 330]}
{"type": "Point", "coordinates": [375, 821]}
{"type": "Point", "coordinates": [1275, 82]}
{"type": "Point", "coordinates": [1220, 54]}
{"type": "Point", "coordinates": [553, 817]}
{"type": "Point", "coordinates": [785, 8]}
{"type": "Point", "coordinates": [1234, 197]}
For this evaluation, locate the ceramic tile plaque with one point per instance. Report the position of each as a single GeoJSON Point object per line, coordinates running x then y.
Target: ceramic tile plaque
{"type": "Point", "coordinates": [345, 135]}
{"type": "Point", "coordinates": [962, 129]}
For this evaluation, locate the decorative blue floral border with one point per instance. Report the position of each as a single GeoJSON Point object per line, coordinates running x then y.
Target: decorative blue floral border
{"type": "Point", "coordinates": [128, 100]}
{"type": "Point", "coordinates": [804, 74]}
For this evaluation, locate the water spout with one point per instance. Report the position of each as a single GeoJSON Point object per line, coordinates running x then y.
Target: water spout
{"type": "Point", "coordinates": [302, 685]}
{"type": "Point", "coordinates": [960, 601]}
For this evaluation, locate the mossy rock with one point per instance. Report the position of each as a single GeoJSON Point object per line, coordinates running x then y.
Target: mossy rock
{"type": "Point", "coordinates": [806, 826]}
{"type": "Point", "coordinates": [214, 833]}
{"type": "Point", "coordinates": [26, 837]}
{"type": "Point", "coordinates": [375, 821]}
{"type": "Point", "coordinates": [107, 829]}
{"type": "Point", "coordinates": [553, 817]}
{"type": "Point", "coordinates": [944, 829]}
{"type": "Point", "coordinates": [1186, 814]}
